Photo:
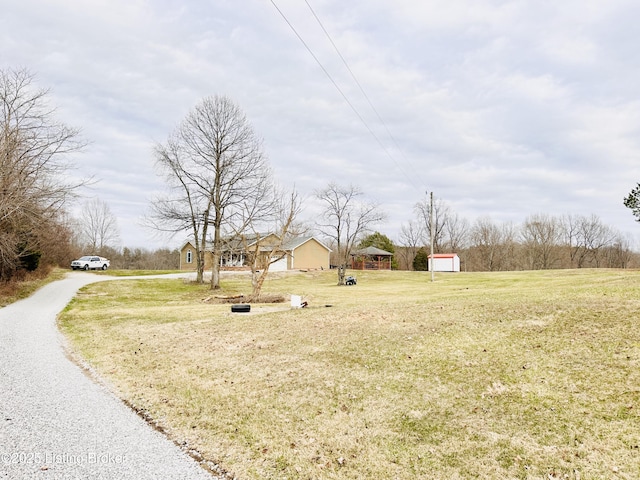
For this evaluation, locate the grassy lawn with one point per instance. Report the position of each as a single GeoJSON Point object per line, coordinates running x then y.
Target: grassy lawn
{"type": "Point", "coordinates": [477, 375]}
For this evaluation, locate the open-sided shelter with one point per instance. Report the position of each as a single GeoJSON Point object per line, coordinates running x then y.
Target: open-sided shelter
{"type": "Point", "coordinates": [371, 258]}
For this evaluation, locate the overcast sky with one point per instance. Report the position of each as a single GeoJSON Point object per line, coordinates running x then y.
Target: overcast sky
{"type": "Point", "coordinates": [502, 108]}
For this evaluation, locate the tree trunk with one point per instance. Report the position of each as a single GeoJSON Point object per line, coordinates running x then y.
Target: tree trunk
{"type": "Point", "coordinates": [257, 280]}
{"type": "Point", "coordinates": [215, 271]}
{"type": "Point", "coordinates": [216, 251]}
{"type": "Point", "coordinates": [342, 269]}
{"type": "Point", "coordinates": [199, 265]}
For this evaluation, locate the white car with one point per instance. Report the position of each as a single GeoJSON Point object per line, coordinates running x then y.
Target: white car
{"type": "Point", "coordinates": [90, 262]}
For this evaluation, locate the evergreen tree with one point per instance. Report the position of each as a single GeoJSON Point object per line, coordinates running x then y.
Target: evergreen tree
{"type": "Point", "coordinates": [632, 201]}
{"type": "Point", "coordinates": [421, 261]}
{"type": "Point", "coordinates": [377, 240]}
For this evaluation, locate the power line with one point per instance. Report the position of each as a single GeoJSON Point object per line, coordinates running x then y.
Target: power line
{"type": "Point", "coordinates": [355, 79]}
{"type": "Point", "coordinates": [344, 96]}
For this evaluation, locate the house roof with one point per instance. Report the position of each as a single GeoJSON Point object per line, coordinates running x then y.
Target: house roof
{"type": "Point", "coordinates": [296, 242]}
{"type": "Point", "coordinates": [236, 243]}
{"type": "Point", "coordinates": [444, 255]}
{"type": "Point", "coordinates": [373, 251]}
{"type": "Point", "coordinates": [192, 243]}
{"type": "Point", "coordinates": [239, 242]}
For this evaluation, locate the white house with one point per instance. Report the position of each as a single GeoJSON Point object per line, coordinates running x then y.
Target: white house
{"type": "Point", "coordinates": [445, 262]}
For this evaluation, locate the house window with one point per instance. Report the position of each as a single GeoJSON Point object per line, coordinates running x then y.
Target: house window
{"type": "Point", "coordinates": [189, 256]}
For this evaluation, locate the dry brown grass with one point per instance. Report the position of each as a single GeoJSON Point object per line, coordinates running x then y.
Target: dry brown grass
{"type": "Point", "coordinates": [25, 283]}
{"type": "Point", "coordinates": [509, 375]}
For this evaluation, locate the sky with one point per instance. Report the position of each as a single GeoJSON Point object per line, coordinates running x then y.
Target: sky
{"type": "Point", "coordinates": [504, 109]}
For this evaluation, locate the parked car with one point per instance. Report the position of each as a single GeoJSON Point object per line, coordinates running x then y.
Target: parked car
{"type": "Point", "coordinates": [90, 262]}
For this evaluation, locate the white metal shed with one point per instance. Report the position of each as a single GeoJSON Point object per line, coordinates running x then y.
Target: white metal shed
{"type": "Point", "coordinates": [445, 262]}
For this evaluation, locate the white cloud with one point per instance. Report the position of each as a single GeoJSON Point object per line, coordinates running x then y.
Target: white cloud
{"type": "Point", "coordinates": [504, 108]}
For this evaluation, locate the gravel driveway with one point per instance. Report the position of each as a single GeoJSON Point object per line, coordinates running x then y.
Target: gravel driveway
{"type": "Point", "coordinates": [55, 422]}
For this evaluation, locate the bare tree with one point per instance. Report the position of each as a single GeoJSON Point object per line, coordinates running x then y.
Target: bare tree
{"type": "Point", "coordinates": [411, 236]}
{"type": "Point", "coordinates": [541, 235]}
{"type": "Point", "coordinates": [450, 230]}
{"type": "Point", "coordinates": [98, 225]}
{"type": "Point", "coordinates": [595, 236]}
{"type": "Point", "coordinates": [492, 245]}
{"type": "Point", "coordinates": [509, 248]}
{"type": "Point", "coordinates": [619, 253]}
{"type": "Point", "coordinates": [440, 213]}
{"type": "Point", "coordinates": [345, 219]}
{"type": "Point", "coordinates": [282, 226]}
{"type": "Point", "coordinates": [34, 187]}
{"type": "Point", "coordinates": [456, 232]}
{"type": "Point", "coordinates": [569, 228]}
{"type": "Point", "coordinates": [586, 238]}
{"type": "Point", "coordinates": [216, 167]}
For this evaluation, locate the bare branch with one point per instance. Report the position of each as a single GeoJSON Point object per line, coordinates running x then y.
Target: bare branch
{"type": "Point", "coordinates": [98, 226]}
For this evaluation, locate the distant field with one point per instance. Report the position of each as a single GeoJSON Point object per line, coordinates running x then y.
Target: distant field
{"type": "Point", "coordinates": [532, 375]}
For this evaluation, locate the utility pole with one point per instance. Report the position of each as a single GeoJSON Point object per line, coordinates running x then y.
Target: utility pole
{"type": "Point", "coordinates": [431, 267]}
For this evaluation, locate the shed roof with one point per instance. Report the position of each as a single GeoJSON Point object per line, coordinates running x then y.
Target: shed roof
{"type": "Point", "coordinates": [373, 251]}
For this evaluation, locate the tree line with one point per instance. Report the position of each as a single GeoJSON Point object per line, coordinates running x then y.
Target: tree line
{"type": "Point", "coordinates": [220, 185]}
{"type": "Point", "coordinates": [541, 241]}
{"type": "Point", "coordinates": [34, 186]}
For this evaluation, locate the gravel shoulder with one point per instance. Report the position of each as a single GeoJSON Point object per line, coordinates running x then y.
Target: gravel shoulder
{"type": "Point", "coordinates": [55, 422]}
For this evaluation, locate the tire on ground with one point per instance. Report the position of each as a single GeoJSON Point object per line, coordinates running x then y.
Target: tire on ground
{"type": "Point", "coordinates": [241, 308]}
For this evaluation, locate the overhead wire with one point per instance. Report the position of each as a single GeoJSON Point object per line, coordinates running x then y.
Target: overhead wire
{"type": "Point", "coordinates": [335, 84]}
{"type": "Point", "coordinates": [360, 87]}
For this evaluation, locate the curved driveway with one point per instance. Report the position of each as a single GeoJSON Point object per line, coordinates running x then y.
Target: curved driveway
{"type": "Point", "coordinates": [55, 422]}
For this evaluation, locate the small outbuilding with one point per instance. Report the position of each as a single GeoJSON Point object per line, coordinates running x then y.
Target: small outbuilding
{"type": "Point", "coordinates": [445, 262]}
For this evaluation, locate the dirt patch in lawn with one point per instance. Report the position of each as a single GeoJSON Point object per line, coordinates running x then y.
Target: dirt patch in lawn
{"type": "Point", "coordinates": [234, 299]}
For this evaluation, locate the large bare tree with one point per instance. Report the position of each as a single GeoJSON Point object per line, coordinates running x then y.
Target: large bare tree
{"type": "Point", "coordinates": [217, 171]}
{"type": "Point", "coordinates": [34, 185]}
{"type": "Point", "coordinates": [98, 226]}
{"type": "Point", "coordinates": [345, 219]}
